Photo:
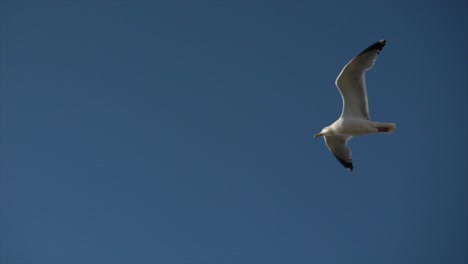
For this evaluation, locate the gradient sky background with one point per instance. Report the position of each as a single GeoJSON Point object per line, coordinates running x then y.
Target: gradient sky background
{"type": "Point", "coordinates": [182, 132]}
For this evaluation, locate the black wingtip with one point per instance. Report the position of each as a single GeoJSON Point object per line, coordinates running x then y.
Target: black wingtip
{"type": "Point", "coordinates": [376, 46]}
{"type": "Point", "coordinates": [347, 164]}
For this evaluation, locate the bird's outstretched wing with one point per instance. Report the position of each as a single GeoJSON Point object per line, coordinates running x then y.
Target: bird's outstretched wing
{"type": "Point", "coordinates": [338, 145]}
{"type": "Point", "coordinates": [351, 82]}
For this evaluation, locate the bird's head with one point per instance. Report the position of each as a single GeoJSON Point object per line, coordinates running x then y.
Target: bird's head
{"type": "Point", "coordinates": [322, 133]}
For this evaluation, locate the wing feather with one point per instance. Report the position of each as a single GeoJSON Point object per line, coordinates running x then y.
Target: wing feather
{"type": "Point", "coordinates": [351, 82]}
{"type": "Point", "coordinates": [338, 145]}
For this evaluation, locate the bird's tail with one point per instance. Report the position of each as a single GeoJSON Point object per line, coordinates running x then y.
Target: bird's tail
{"type": "Point", "coordinates": [385, 127]}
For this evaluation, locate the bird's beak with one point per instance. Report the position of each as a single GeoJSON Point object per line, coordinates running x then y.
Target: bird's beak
{"type": "Point", "coordinates": [318, 135]}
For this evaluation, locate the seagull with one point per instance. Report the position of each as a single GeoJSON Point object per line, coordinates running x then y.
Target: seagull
{"type": "Point", "coordinates": [355, 118]}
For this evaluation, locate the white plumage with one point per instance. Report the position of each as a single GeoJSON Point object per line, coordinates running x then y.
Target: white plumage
{"type": "Point", "coordinates": [355, 118]}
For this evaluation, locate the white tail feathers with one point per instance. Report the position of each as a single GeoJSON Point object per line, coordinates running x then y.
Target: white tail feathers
{"type": "Point", "coordinates": [385, 127]}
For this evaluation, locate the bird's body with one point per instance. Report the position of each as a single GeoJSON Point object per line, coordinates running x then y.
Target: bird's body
{"type": "Point", "coordinates": [352, 127]}
{"type": "Point", "coordinates": [355, 118]}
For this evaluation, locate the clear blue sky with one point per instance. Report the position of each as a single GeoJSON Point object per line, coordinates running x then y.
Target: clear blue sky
{"type": "Point", "coordinates": [182, 132]}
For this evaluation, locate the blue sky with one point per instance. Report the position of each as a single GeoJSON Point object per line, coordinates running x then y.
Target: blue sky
{"type": "Point", "coordinates": [182, 132]}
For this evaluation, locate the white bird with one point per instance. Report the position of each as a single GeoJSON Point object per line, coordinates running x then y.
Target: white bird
{"type": "Point", "coordinates": [355, 118]}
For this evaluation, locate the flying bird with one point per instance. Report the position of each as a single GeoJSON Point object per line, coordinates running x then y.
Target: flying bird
{"type": "Point", "coordinates": [355, 118]}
